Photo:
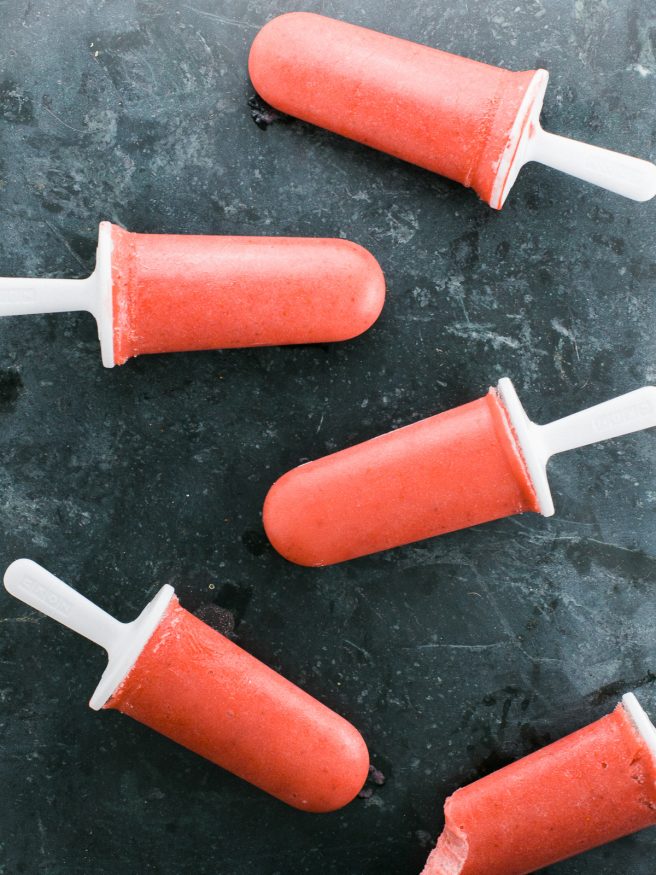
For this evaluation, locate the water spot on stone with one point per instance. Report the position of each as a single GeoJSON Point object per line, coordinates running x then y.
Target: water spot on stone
{"type": "Point", "coordinates": [532, 739]}
{"type": "Point", "coordinates": [235, 599]}
{"type": "Point", "coordinates": [496, 759]}
{"type": "Point", "coordinates": [580, 557]}
{"type": "Point", "coordinates": [254, 541]}
{"type": "Point", "coordinates": [544, 278]}
{"type": "Point", "coordinates": [465, 250]}
{"type": "Point", "coordinates": [11, 385]}
{"type": "Point", "coordinates": [617, 688]}
{"type": "Point", "coordinates": [532, 200]}
{"type": "Point", "coordinates": [601, 215]}
{"type": "Point", "coordinates": [424, 838]}
{"type": "Point", "coordinates": [618, 245]}
{"type": "Point", "coordinates": [84, 247]}
{"type": "Point", "coordinates": [633, 566]}
{"type": "Point", "coordinates": [51, 207]}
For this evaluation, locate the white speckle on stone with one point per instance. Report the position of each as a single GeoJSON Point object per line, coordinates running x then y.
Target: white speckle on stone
{"type": "Point", "coordinates": [560, 328]}
{"type": "Point", "coordinates": [641, 70]}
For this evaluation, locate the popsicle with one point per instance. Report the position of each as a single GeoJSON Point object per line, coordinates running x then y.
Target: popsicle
{"type": "Point", "coordinates": [174, 673]}
{"type": "Point", "coordinates": [155, 293]}
{"type": "Point", "coordinates": [587, 789]}
{"type": "Point", "coordinates": [472, 122]}
{"type": "Point", "coordinates": [478, 462]}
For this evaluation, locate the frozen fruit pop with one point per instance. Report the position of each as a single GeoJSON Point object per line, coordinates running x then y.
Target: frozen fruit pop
{"type": "Point", "coordinates": [587, 789]}
{"type": "Point", "coordinates": [174, 673]}
{"type": "Point", "coordinates": [469, 121]}
{"type": "Point", "coordinates": [154, 293]}
{"type": "Point", "coordinates": [478, 462]}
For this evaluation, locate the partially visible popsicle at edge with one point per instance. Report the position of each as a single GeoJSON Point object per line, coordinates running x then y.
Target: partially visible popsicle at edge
{"type": "Point", "coordinates": [169, 670]}
{"type": "Point", "coordinates": [586, 790]}
{"type": "Point", "coordinates": [472, 122]}
{"type": "Point", "coordinates": [478, 462]}
{"type": "Point", "coordinates": [154, 293]}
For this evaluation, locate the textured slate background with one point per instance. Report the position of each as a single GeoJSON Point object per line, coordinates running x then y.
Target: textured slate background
{"type": "Point", "coordinates": [452, 656]}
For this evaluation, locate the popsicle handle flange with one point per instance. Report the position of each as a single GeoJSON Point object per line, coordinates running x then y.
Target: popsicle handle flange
{"type": "Point", "coordinates": [640, 720]}
{"type": "Point", "coordinates": [44, 592]}
{"type": "Point", "coordinates": [538, 443]}
{"type": "Point", "coordinates": [631, 177]}
{"type": "Point", "coordinates": [21, 296]}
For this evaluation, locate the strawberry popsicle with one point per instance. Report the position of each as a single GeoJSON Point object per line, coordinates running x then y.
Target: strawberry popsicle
{"type": "Point", "coordinates": [153, 293]}
{"type": "Point", "coordinates": [174, 673]}
{"type": "Point", "coordinates": [475, 123]}
{"type": "Point", "coordinates": [478, 462]}
{"type": "Point", "coordinates": [587, 789]}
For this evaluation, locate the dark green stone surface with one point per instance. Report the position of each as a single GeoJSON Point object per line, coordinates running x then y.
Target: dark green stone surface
{"type": "Point", "coordinates": [453, 656]}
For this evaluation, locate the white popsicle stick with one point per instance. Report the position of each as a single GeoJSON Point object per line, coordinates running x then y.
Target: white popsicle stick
{"type": "Point", "coordinates": [622, 174]}
{"type": "Point", "coordinates": [123, 642]}
{"type": "Point", "coordinates": [528, 141]}
{"type": "Point", "coordinates": [21, 296]}
{"type": "Point", "coordinates": [631, 412]}
{"type": "Point", "coordinates": [44, 592]}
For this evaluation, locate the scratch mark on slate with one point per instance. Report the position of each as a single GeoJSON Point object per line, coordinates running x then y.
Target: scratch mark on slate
{"type": "Point", "coordinates": [243, 24]}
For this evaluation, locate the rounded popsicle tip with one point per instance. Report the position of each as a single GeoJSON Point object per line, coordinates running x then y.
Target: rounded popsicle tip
{"type": "Point", "coordinates": [269, 50]}
{"type": "Point", "coordinates": [345, 770]}
{"type": "Point", "coordinates": [359, 284]}
{"type": "Point", "coordinates": [286, 514]}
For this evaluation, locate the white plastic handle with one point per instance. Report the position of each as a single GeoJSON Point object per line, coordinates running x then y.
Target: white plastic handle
{"type": "Point", "coordinates": [123, 642]}
{"type": "Point", "coordinates": [44, 592]}
{"type": "Point", "coordinates": [631, 412]}
{"type": "Point", "coordinates": [622, 174]}
{"type": "Point", "coordinates": [634, 411]}
{"type": "Point", "coordinates": [20, 296]}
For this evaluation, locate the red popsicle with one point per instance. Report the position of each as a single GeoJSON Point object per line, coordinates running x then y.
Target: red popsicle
{"type": "Point", "coordinates": [153, 293]}
{"type": "Point", "coordinates": [174, 673]}
{"type": "Point", "coordinates": [472, 464]}
{"type": "Point", "coordinates": [469, 121]}
{"type": "Point", "coordinates": [587, 789]}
